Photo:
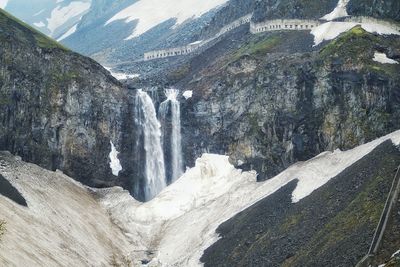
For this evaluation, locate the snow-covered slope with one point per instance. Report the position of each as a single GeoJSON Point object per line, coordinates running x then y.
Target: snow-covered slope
{"type": "Point", "coordinates": [125, 28]}
{"type": "Point", "coordinates": [330, 30]}
{"type": "Point", "coordinates": [180, 223]}
{"type": "Point", "coordinates": [62, 225]}
{"type": "Point", "coordinates": [56, 18]}
{"type": "Point", "coordinates": [67, 224]}
{"type": "Point", "coordinates": [150, 13]}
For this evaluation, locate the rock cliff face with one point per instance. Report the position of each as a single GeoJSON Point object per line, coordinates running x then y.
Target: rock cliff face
{"type": "Point", "coordinates": [61, 110]}
{"type": "Point", "coordinates": [268, 108]}
{"type": "Point", "coordinates": [378, 9]}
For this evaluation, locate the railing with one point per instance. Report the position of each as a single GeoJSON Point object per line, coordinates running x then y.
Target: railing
{"type": "Point", "coordinates": [265, 26]}
{"type": "Point", "coordinates": [385, 216]}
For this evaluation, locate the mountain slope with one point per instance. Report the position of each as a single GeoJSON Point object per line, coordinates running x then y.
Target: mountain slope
{"type": "Point", "coordinates": [270, 103]}
{"type": "Point", "coordinates": [320, 211]}
{"type": "Point", "coordinates": [332, 227]}
{"type": "Point", "coordinates": [54, 18]}
{"type": "Point", "coordinates": [61, 110]}
{"type": "Point", "coordinates": [85, 25]}
{"type": "Point", "coordinates": [62, 224]}
{"type": "Point", "coordinates": [176, 227]}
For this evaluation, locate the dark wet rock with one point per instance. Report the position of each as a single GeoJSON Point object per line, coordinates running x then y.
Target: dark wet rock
{"type": "Point", "coordinates": [60, 110]}
{"type": "Point", "coordinates": [267, 106]}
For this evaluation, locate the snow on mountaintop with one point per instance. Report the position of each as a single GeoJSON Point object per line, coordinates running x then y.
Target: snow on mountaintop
{"type": "Point", "coordinates": [62, 14]}
{"type": "Point", "coordinates": [151, 13]}
{"type": "Point", "coordinates": [180, 223]}
{"type": "Point", "coordinates": [53, 18]}
{"type": "Point", "coordinates": [68, 33]}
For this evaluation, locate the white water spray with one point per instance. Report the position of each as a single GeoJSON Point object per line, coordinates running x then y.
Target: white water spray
{"type": "Point", "coordinates": [146, 117]}
{"type": "Point", "coordinates": [176, 147]}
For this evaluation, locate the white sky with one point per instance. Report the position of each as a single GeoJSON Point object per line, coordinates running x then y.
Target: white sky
{"type": "Point", "coordinates": [3, 3]}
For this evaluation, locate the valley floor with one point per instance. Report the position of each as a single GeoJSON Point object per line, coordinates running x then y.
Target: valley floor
{"type": "Point", "coordinates": [67, 224]}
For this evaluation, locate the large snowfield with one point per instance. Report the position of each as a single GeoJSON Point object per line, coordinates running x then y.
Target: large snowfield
{"type": "Point", "coordinates": [68, 224]}
{"type": "Point", "coordinates": [150, 13]}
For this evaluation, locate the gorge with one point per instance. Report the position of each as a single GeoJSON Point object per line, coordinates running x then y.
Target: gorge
{"type": "Point", "coordinates": [251, 133]}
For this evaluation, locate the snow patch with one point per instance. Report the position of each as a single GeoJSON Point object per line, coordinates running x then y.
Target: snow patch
{"type": "Point", "coordinates": [150, 13]}
{"type": "Point", "coordinates": [187, 94]}
{"type": "Point", "coordinates": [39, 24]}
{"type": "Point", "coordinates": [184, 216]}
{"type": "Point", "coordinates": [382, 58]}
{"type": "Point", "coordinates": [394, 254]}
{"type": "Point", "coordinates": [61, 15]}
{"type": "Point", "coordinates": [38, 13]}
{"type": "Point", "coordinates": [121, 75]}
{"type": "Point", "coordinates": [68, 33]}
{"type": "Point", "coordinates": [115, 165]}
{"type": "Point", "coordinates": [331, 30]}
{"type": "Point", "coordinates": [339, 11]}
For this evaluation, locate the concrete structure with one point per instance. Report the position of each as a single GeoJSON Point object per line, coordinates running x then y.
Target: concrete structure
{"type": "Point", "coordinates": [265, 26]}
{"type": "Point", "coordinates": [283, 24]}
{"type": "Point", "coordinates": [391, 201]}
{"type": "Point", "coordinates": [184, 50]}
{"type": "Point", "coordinates": [170, 52]}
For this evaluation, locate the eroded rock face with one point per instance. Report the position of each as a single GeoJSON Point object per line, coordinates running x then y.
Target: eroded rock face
{"type": "Point", "coordinates": [61, 110]}
{"type": "Point", "coordinates": [379, 9]}
{"type": "Point", "coordinates": [268, 110]}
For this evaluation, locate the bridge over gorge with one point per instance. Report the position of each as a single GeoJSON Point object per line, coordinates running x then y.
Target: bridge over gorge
{"type": "Point", "coordinates": [266, 26]}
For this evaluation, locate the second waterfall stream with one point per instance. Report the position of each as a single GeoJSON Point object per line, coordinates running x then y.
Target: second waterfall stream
{"type": "Point", "coordinates": [170, 118]}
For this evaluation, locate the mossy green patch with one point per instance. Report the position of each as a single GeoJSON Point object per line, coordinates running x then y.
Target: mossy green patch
{"type": "Point", "coordinates": [357, 36]}
{"type": "Point", "coordinates": [364, 210]}
{"type": "Point", "coordinates": [356, 47]}
{"type": "Point", "coordinates": [179, 73]}
{"type": "Point", "coordinates": [257, 47]}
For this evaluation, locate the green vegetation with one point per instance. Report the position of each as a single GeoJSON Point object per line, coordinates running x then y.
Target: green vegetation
{"type": "Point", "coordinates": [23, 31]}
{"type": "Point", "coordinates": [2, 228]}
{"type": "Point", "coordinates": [363, 211]}
{"type": "Point", "coordinates": [179, 73]}
{"type": "Point", "coordinates": [292, 221]}
{"type": "Point", "coordinates": [357, 46]}
{"type": "Point", "coordinates": [348, 43]}
{"type": "Point", "coordinates": [258, 48]}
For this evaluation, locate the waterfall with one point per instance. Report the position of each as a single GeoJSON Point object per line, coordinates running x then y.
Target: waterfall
{"type": "Point", "coordinates": [171, 133]}
{"type": "Point", "coordinates": [154, 171]}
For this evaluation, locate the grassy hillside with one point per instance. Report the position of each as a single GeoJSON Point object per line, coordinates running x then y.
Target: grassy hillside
{"type": "Point", "coordinates": [17, 30]}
